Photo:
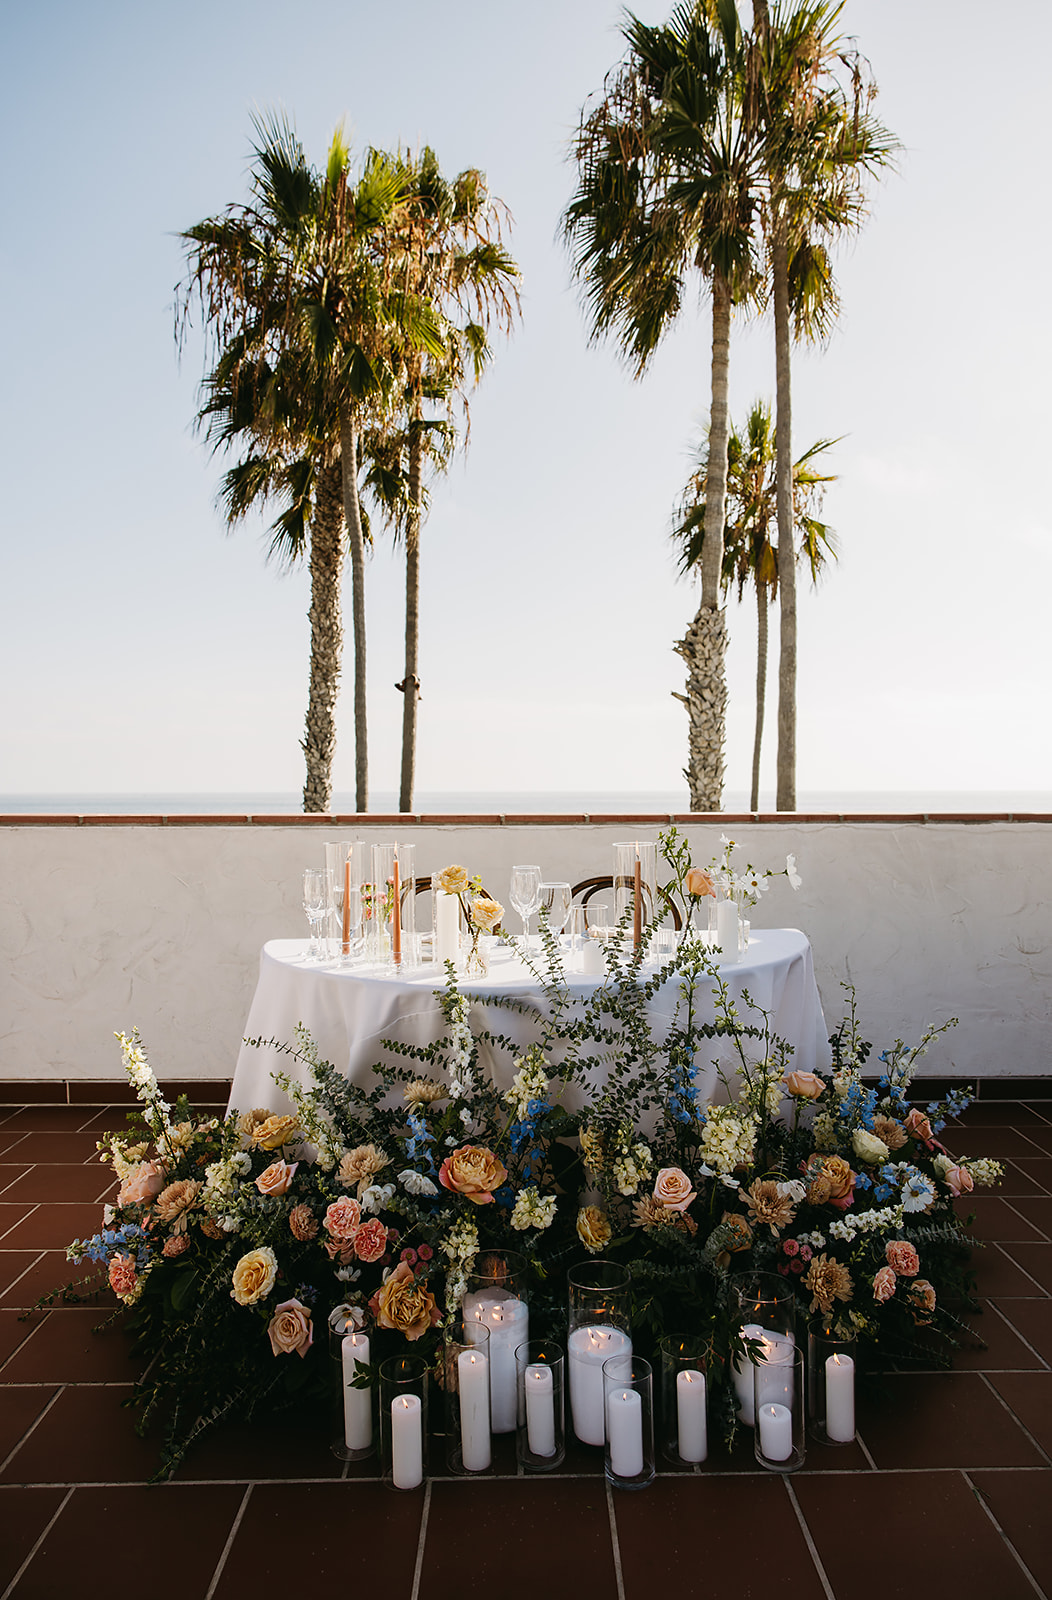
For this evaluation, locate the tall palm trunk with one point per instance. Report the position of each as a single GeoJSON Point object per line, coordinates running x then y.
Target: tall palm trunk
{"type": "Point", "coordinates": [704, 646]}
{"type": "Point", "coordinates": [411, 683]}
{"type": "Point", "coordinates": [356, 539]}
{"type": "Point", "coordinates": [761, 689]}
{"type": "Point", "coordinates": [785, 799]}
{"type": "Point", "coordinates": [326, 638]}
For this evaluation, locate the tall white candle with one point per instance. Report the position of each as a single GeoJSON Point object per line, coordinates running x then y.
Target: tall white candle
{"type": "Point", "coordinates": [774, 1373]}
{"type": "Point", "coordinates": [473, 1378]}
{"type": "Point", "coordinates": [508, 1321]}
{"type": "Point", "coordinates": [727, 929]}
{"type": "Point", "coordinates": [776, 1432]}
{"type": "Point", "coordinates": [357, 1403]}
{"type": "Point", "coordinates": [691, 1422]}
{"type": "Point", "coordinates": [588, 1348]}
{"type": "Point", "coordinates": [840, 1398]}
{"type": "Point", "coordinates": [540, 1409]}
{"type": "Point", "coordinates": [624, 1421]}
{"type": "Point", "coordinates": [743, 1378]}
{"type": "Point", "coordinates": [407, 1441]}
{"type": "Point", "coordinates": [447, 926]}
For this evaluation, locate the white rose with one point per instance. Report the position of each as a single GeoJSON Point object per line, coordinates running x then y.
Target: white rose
{"type": "Point", "coordinates": [868, 1148]}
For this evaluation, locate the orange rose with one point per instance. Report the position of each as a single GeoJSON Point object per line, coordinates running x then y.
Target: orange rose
{"type": "Point", "coordinates": [473, 1171]}
{"type": "Point", "coordinates": [804, 1085]}
{"type": "Point", "coordinates": [698, 882]}
{"type": "Point", "coordinates": [918, 1127]}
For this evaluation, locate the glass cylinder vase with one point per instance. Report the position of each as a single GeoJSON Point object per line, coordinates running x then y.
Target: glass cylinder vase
{"type": "Point", "coordinates": [389, 906]}
{"type": "Point", "coordinates": [635, 886]}
{"type": "Point", "coordinates": [765, 1312]}
{"type": "Point", "coordinates": [353, 1434]}
{"type": "Point", "coordinates": [496, 1296]}
{"type": "Point", "coordinates": [403, 1421]}
{"type": "Point", "coordinates": [628, 1390]}
{"type": "Point", "coordinates": [830, 1386]}
{"type": "Point", "coordinates": [541, 1373]}
{"type": "Point", "coordinates": [348, 862]}
{"type": "Point", "coordinates": [598, 1322]}
{"type": "Point", "coordinates": [683, 1414]}
{"type": "Point", "coordinates": [466, 1382]}
{"type": "Point", "coordinates": [779, 1439]}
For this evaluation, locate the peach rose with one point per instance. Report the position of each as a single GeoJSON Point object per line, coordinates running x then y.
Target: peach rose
{"type": "Point", "coordinates": [884, 1284]}
{"type": "Point", "coordinates": [276, 1131]}
{"type": "Point", "coordinates": [922, 1295]}
{"type": "Point", "coordinates": [804, 1085]}
{"type": "Point", "coordinates": [404, 1305]}
{"type": "Point", "coordinates": [958, 1180]}
{"type": "Point", "coordinates": [453, 880]}
{"type": "Point", "coordinates": [672, 1189]}
{"type": "Point", "coordinates": [141, 1184]}
{"type": "Point", "coordinates": [474, 1171]}
{"type": "Point", "coordinates": [370, 1241]}
{"type": "Point", "coordinates": [698, 882]}
{"type": "Point", "coordinates": [290, 1329]}
{"type": "Point", "coordinates": [486, 913]}
{"type": "Point", "coordinates": [593, 1229]}
{"type": "Point", "coordinates": [343, 1218]}
{"type": "Point", "coordinates": [122, 1275]}
{"type": "Point", "coordinates": [918, 1127]}
{"type": "Point", "coordinates": [254, 1276]}
{"type": "Point", "coordinates": [902, 1258]}
{"type": "Point", "coordinates": [277, 1177]}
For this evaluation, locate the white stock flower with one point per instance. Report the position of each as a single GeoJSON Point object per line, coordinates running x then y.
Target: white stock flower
{"type": "Point", "coordinates": [533, 1210]}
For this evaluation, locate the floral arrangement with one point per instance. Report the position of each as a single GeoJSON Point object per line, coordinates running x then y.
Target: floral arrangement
{"type": "Point", "coordinates": [230, 1242]}
{"type": "Point", "coordinates": [481, 914]}
{"type": "Point", "coordinates": [691, 884]}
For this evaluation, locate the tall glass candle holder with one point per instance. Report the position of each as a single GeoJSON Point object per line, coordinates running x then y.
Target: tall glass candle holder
{"type": "Point", "coordinates": [348, 862]}
{"type": "Point", "coordinates": [635, 885]}
{"type": "Point", "coordinates": [780, 1436]}
{"type": "Point", "coordinates": [465, 1358]}
{"type": "Point", "coordinates": [683, 1416]}
{"type": "Point", "coordinates": [541, 1374]}
{"type": "Point", "coordinates": [598, 1320]}
{"type": "Point", "coordinates": [830, 1386]}
{"type": "Point", "coordinates": [403, 1421]}
{"type": "Point", "coordinates": [389, 906]}
{"type": "Point", "coordinates": [496, 1296]}
{"type": "Point", "coordinates": [766, 1314]}
{"type": "Point", "coordinates": [628, 1391]}
{"type": "Point", "coordinates": [354, 1430]}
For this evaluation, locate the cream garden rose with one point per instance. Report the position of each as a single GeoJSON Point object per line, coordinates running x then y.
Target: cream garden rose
{"type": "Point", "coordinates": [673, 1189]}
{"type": "Point", "coordinates": [486, 913]}
{"type": "Point", "coordinates": [290, 1330]}
{"type": "Point", "coordinates": [868, 1148]}
{"type": "Point", "coordinates": [453, 880]}
{"type": "Point", "coordinates": [276, 1131]}
{"type": "Point", "coordinates": [254, 1276]}
{"type": "Point", "coordinates": [473, 1171]}
{"type": "Point", "coordinates": [593, 1229]}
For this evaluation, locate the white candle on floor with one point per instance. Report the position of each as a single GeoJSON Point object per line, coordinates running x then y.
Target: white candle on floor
{"type": "Point", "coordinates": [540, 1409]}
{"type": "Point", "coordinates": [776, 1432]}
{"type": "Point", "coordinates": [691, 1423]}
{"type": "Point", "coordinates": [624, 1420]}
{"type": "Point", "coordinates": [840, 1398]}
{"type": "Point", "coordinates": [473, 1377]}
{"type": "Point", "coordinates": [407, 1442]}
{"type": "Point", "coordinates": [357, 1403]}
{"type": "Point", "coordinates": [588, 1348]}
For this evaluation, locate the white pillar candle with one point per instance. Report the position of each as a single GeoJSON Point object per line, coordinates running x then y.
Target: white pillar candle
{"type": "Point", "coordinates": [588, 1348]}
{"type": "Point", "coordinates": [357, 1403]}
{"type": "Point", "coordinates": [774, 1374]}
{"type": "Point", "coordinates": [691, 1425]}
{"type": "Point", "coordinates": [473, 1378]}
{"type": "Point", "coordinates": [624, 1421]}
{"type": "Point", "coordinates": [727, 929]}
{"type": "Point", "coordinates": [407, 1442]}
{"type": "Point", "coordinates": [508, 1321]}
{"type": "Point", "coordinates": [840, 1398]}
{"type": "Point", "coordinates": [743, 1378]}
{"type": "Point", "coordinates": [540, 1409]}
{"type": "Point", "coordinates": [447, 926]}
{"type": "Point", "coordinates": [776, 1432]}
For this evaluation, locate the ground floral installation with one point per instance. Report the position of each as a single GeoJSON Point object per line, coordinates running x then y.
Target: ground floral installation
{"type": "Point", "coordinates": [232, 1240]}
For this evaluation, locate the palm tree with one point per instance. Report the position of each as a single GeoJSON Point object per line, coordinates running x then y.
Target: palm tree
{"type": "Point", "coordinates": [748, 553]}
{"type": "Point", "coordinates": [667, 183]}
{"type": "Point", "coordinates": [819, 143]}
{"type": "Point", "coordinates": [294, 291]}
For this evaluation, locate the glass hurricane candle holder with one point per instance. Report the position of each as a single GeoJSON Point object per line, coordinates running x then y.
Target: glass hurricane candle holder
{"type": "Point", "coordinates": [348, 862]}
{"type": "Point", "coordinates": [766, 1314]}
{"type": "Point", "coordinates": [496, 1295]}
{"type": "Point", "coordinates": [403, 1421]}
{"type": "Point", "coordinates": [830, 1386]}
{"type": "Point", "coordinates": [684, 1401]}
{"type": "Point", "coordinates": [389, 906]}
{"type": "Point", "coordinates": [635, 886]}
{"type": "Point", "coordinates": [541, 1374]}
{"type": "Point", "coordinates": [628, 1393]}
{"type": "Point", "coordinates": [353, 1435]}
{"type": "Point", "coordinates": [598, 1319]}
{"type": "Point", "coordinates": [465, 1363]}
{"type": "Point", "coordinates": [780, 1436]}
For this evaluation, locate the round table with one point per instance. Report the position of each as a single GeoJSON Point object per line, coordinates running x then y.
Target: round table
{"type": "Point", "coordinates": [350, 1011]}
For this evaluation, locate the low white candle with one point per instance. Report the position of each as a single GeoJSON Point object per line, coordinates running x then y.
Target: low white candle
{"type": "Point", "coordinates": [840, 1398]}
{"type": "Point", "coordinates": [744, 1383]}
{"type": "Point", "coordinates": [473, 1377]}
{"type": "Point", "coordinates": [624, 1420]}
{"type": "Point", "coordinates": [776, 1432]}
{"type": "Point", "coordinates": [588, 1347]}
{"type": "Point", "coordinates": [540, 1409]}
{"type": "Point", "coordinates": [447, 926]}
{"type": "Point", "coordinates": [357, 1403]}
{"type": "Point", "coordinates": [407, 1441]}
{"type": "Point", "coordinates": [690, 1416]}
{"type": "Point", "coordinates": [508, 1321]}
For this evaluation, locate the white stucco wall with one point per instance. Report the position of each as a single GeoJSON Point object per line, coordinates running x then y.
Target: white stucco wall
{"type": "Point", "coordinates": [106, 927]}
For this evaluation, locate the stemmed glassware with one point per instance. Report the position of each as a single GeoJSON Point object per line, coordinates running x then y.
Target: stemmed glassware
{"type": "Point", "coordinates": [555, 898]}
{"type": "Point", "coordinates": [526, 896]}
{"type": "Point", "coordinates": [317, 892]}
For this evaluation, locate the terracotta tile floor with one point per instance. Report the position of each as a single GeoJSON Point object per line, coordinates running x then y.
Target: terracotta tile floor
{"type": "Point", "coordinates": [948, 1484]}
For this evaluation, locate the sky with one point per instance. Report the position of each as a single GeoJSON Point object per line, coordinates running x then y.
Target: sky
{"type": "Point", "coordinates": [145, 649]}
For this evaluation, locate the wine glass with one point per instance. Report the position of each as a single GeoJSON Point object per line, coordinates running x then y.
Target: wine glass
{"type": "Point", "coordinates": [526, 896]}
{"type": "Point", "coordinates": [317, 892]}
{"type": "Point", "coordinates": [556, 899]}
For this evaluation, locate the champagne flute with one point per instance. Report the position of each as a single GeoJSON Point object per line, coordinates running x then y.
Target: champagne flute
{"type": "Point", "coordinates": [556, 899]}
{"type": "Point", "coordinates": [317, 890]}
{"type": "Point", "coordinates": [526, 896]}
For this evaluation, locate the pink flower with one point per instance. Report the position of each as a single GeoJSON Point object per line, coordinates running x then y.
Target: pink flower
{"type": "Point", "coordinates": [277, 1177]}
{"type": "Point", "coordinates": [783, 1268]}
{"type": "Point", "coordinates": [141, 1184]}
{"type": "Point", "coordinates": [797, 1264]}
{"type": "Point", "coordinates": [290, 1329]}
{"type": "Point", "coordinates": [425, 1252]}
{"type": "Point", "coordinates": [672, 1189]}
{"type": "Point", "coordinates": [370, 1241]}
{"type": "Point", "coordinates": [902, 1258]}
{"type": "Point", "coordinates": [409, 1254]}
{"type": "Point", "coordinates": [958, 1180]}
{"type": "Point", "coordinates": [884, 1284]}
{"type": "Point", "coordinates": [917, 1126]}
{"type": "Point", "coordinates": [806, 1252]}
{"type": "Point", "coordinates": [122, 1275]}
{"type": "Point", "coordinates": [343, 1218]}
{"type": "Point", "coordinates": [790, 1247]}
{"type": "Point", "coordinates": [175, 1245]}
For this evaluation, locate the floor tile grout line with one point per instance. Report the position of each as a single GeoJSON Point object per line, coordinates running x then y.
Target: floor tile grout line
{"type": "Point", "coordinates": [864, 1447]}
{"type": "Point", "coordinates": [615, 1545]}
{"type": "Point", "coordinates": [31, 1430]}
{"type": "Point", "coordinates": [228, 1546]}
{"type": "Point", "coordinates": [1044, 1239]}
{"type": "Point", "coordinates": [29, 1558]}
{"type": "Point", "coordinates": [994, 1306]}
{"type": "Point", "coordinates": [418, 1567]}
{"type": "Point", "coordinates": [1004, 1537]}
{"type": "Point", "coordinates": [22, 1342]}
{"type": "Point", "coordinates": [41, 1253]}
{"type": "Point", "coordinates": [808, 1539]}
{"type": "Point", "coordinates": [1017, 1420]}
{"type": "Point", "coordinates": [1044, 1292]}
{"type": "Point", "coordinates": [33, 1207]}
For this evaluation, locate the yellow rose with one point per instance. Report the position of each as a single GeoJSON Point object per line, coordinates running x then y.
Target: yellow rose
{"type": "Point", "coordinates": [454, 880]}
{"type": "Point", "coordinates": [404, 1305]}
{"type": "Point", "coordinates": [254, 1276]}
{"type": "Point", "coordinates": [593, 1229]}
{"type": "Point", "coordinates": [276, 1131]}
{"type": "Point", "coordinates": [485, 913]}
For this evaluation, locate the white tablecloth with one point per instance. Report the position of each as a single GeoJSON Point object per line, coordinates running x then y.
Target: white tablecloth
{"type": "Point", "coordinates": [349, 1013]}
